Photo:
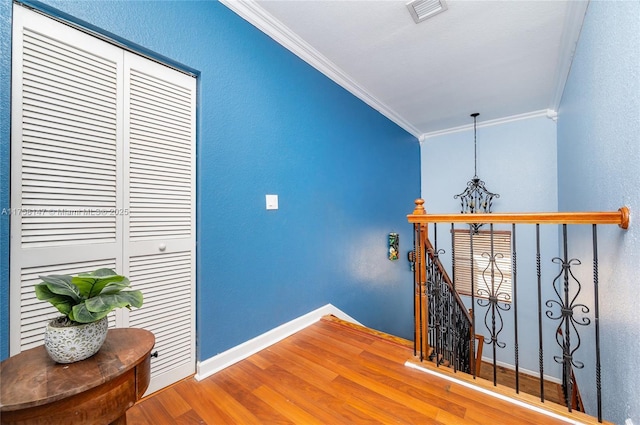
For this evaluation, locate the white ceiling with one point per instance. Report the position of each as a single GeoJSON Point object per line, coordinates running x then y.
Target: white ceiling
{"type": "Point", "coordinates": [503, 59]}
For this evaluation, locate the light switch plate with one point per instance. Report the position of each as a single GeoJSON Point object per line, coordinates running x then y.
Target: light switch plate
{"type": "Point", "coordinates": [272, 202]}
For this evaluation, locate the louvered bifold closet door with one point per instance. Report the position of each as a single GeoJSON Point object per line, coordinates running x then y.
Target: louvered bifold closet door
{"type": "Point", "coordinates": [65, 166]}
{"type": "Point", "coordinates": [160, 226]}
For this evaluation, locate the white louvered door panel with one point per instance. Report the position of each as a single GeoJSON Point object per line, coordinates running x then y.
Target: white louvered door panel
{"type": "Point", "coordinates": [66, 173]}
{"type": "Point", "coordinates": [103, 175]}
{"type": "Point", "coordinates": [165, 279]}
{"type": "Point", "coordinates": [160, 226]}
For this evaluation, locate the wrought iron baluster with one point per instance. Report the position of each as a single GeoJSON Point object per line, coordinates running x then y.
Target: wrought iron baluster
{"type": "Point", "coordinates": [443, 330]}
{"type": "Point", "coordinates": [460, 350]}
{"type": "Point", "coordinates": [566, 367]}
{"type": "Point", "coordinates": [493, 299]}
{"type": "Point", "coordinates": [415, 293]}
{"type": "Point", "coordinates": [540, 343]}
{"type": "Point", "coordinates": [453, 258]}
{"type": "Point", "coordinates": [437, 297]}
{"type": "Point", "coordinates": [418, 278]}
{"type": "Point", "coordinates": [473, 291]}
{"type": "Point", "coordinates": [514, 285]}
{"type": "Point", "coordinates": [434, 302]}
{"type": "Point", "coordinates": [448, 330]}
{"type": "Point", "coordinates": [431, 321]}
{"type": "Point", "coordinates": [492, 294]}
{"type": "Point", "coordinates": [567, 304]}
{"type": "Point", "coordinates": [597, 320]}
{"type": "Point", "coordinates": [435, 238]}
{"type": "Point", "coordinates": [416, 287]}
{"type": "Point", "coordinates": [456, 365]}
{"type": "Point", "coordinates": [453, 330]}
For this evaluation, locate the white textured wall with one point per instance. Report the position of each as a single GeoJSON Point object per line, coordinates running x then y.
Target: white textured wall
{"type": "Point", "coordinates": [599, 169]}
{"type": "Point", "coordinates": [517, 160]}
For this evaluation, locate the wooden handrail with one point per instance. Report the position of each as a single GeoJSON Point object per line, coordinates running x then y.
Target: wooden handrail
{"type": "Point", "coordinates": [620, 217]}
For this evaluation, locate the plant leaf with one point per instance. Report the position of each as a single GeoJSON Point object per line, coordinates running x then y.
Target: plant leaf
{"type": "Point", "coordinates": [81, 314]}
{"type": "Point", "coordinates": [88, 297]}
{"type": "Point", "coordinates": [101, 273]}
{"type": "Point", "coordinates": [91, 284]}
{"type": "Point", "coordinates": [111, 301]}
{"type": "Point", "coordinates": [63, 303]}
{"type": "Point", "coordinates": [114, 287]}
{"type": "Point", "coordinates": [61, 285]}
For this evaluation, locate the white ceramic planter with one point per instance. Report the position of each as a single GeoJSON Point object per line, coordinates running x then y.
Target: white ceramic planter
{"type": "Point", "coordinates": [75, 343]}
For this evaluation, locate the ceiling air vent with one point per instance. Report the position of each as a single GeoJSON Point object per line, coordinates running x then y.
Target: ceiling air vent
{"type": "Point", "coordinates": [424, 9]}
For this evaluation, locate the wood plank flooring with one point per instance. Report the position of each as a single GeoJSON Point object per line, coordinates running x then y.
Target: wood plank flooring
{"type": "Point", "coordinates": [328, 373]}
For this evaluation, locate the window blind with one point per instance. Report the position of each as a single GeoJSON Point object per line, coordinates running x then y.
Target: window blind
{"type": "Point", "coordinates": [491, 263]}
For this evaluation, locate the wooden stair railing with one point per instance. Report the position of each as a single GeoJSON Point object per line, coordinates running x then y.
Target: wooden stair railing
{"type": "Point", "coordinates": [559, 309]}
{"type": "Point", "coordinates": [620, 217]}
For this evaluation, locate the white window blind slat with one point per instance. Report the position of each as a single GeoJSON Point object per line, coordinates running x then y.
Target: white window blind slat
{"type": "Point", "coordinates": [483, 249]}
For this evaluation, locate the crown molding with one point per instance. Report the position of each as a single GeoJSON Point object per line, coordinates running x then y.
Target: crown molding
{"type": "Point", "coordinates": [551, 114]}
{"type": "Point", "coordinates": [573, 20]}
{"type": "Point", "coordinates": [253, 13]}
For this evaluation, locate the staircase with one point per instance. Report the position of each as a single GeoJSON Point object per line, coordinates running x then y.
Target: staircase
{"type": "Point", "coordinates": [474, 365]}
{"type": "Point", "coordinates": [446, 328]}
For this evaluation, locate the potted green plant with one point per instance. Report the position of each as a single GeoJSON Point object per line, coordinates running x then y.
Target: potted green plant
{"type": "Point", "coordinates": [85, 300]}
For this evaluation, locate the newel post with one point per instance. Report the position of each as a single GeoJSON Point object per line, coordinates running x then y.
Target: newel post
{"type": "Point", "coordinates": [420, 282]}
{"type": "Point", "coordinates": [419, 208]}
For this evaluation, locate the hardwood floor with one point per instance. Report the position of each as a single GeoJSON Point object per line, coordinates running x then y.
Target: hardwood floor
{"type": "Point", "coordinates": [328, 373]}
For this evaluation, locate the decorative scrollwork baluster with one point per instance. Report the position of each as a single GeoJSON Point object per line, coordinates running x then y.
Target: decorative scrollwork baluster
{"type": "Point", "coordinates": [495, 300]}
{"type": "Point", "coordinates": [567, 306]}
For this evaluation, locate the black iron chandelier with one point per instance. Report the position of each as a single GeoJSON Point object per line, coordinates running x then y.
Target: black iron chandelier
{"type": "Point", "coordinates": [476, 198]}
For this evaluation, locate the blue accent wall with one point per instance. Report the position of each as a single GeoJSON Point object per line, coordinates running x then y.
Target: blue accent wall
{"type": "Point", "coordinates": [598, 169]}
{"type": "Point", "coordinates": [269, 123]}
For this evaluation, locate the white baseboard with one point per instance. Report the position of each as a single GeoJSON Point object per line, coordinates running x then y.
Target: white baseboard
{"type": "Point", "coordinates": [240, 352]}
{"type": "Point", "coordinates": [493, 394]}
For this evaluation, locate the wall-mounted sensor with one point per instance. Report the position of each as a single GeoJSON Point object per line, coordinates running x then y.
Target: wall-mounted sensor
{"type": "Point", "coordinates": [272, 202]}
